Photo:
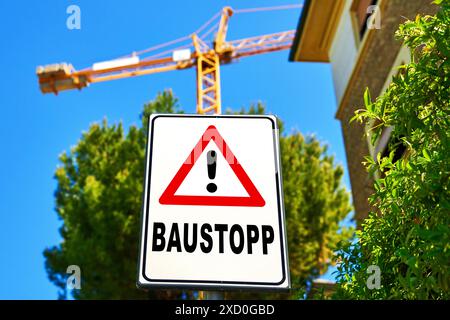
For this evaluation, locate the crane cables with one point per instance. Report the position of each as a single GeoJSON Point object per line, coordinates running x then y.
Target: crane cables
{"type": "Point", "coordinates": [166, 49]}
{"type": "Point", "coordinates": [276, 8]}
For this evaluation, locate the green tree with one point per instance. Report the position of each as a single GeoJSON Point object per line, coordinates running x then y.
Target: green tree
{"type": "Point", "coordinates": [99, 200]}
{"type": "Point", "coordinates": [408, 237]}
{"type": "Point", "coordinates": [98, 197]}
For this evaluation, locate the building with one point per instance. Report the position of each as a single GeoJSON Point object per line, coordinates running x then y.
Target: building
{"type": "Point", "coordinates": [321, 289]}
{"type": "Point", "coordinates": [357, 38]}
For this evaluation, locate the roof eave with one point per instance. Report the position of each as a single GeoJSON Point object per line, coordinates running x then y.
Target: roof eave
{"type": "Point", "coordinates": [299, 33]}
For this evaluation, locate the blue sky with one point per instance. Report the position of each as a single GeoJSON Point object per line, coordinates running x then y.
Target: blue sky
{"type": "Point", "coordinates": [36, 128]}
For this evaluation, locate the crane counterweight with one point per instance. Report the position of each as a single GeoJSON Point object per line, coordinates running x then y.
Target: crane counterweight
{"type": "Point", "coordinates": [59, 77]}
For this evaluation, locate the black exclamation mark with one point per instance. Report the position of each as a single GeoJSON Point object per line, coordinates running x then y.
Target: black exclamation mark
{"type": "Point", "coordinates": [212, 165]}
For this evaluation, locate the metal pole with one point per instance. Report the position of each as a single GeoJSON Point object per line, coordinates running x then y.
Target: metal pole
{"type": "Point", "coordinates": [213, 295]}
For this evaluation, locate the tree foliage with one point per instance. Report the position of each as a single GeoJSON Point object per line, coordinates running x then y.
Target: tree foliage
{"type": "Point", "coordinates": [408, 236]}
{"type": "Point", "coordinates": [98, 197]}
{"type": "Point", "coordinates": [99, 200]}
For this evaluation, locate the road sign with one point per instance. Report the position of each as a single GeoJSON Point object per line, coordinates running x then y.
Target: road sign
{"type": "Point", "coordinates": [213, 214]}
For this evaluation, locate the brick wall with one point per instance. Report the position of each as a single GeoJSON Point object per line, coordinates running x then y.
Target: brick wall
{"type": "Point", "coordinates": [372, 70]}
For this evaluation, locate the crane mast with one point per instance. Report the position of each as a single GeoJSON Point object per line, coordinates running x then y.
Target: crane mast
{"type": "Point", "coordinates": [206, 58]}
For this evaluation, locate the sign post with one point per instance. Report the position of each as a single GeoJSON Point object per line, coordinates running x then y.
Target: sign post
{"type": "Point", "coordinates": [213, 214]}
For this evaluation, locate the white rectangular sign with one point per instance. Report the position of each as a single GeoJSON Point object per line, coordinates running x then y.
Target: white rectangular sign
{"type": "Point", "coordinates": [213, 214]}
{"type": "Point", "coordinates": [115, 63]}
{"type": "Point", "coordinates": [181, 55]}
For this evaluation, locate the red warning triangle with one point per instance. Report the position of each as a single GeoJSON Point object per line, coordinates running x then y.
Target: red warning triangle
{"type": "Point", "coordinates": [169, 198]}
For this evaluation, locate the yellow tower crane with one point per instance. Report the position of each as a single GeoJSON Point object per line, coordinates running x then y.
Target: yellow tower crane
{"type": "Point", "coordinates": [206, 58]}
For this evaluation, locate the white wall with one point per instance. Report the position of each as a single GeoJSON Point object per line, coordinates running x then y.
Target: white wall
{"type": "Point", "coordinates": [343, 52]}
{"type": "Point", "coordinates": [403, 57]}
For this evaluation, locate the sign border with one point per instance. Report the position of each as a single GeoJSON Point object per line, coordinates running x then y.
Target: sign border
{"type": "Point", "coordinates": [210, 284]}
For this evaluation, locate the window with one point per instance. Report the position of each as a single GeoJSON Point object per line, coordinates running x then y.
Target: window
{"type": "Point", "coordinates": [360, 12]}
{"type": "Point", "coordinates": [385, 142]}
{"type": "Point", "coordinates": [399, 146]}
{"type": "Point", "coordinates": [384, 145]}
